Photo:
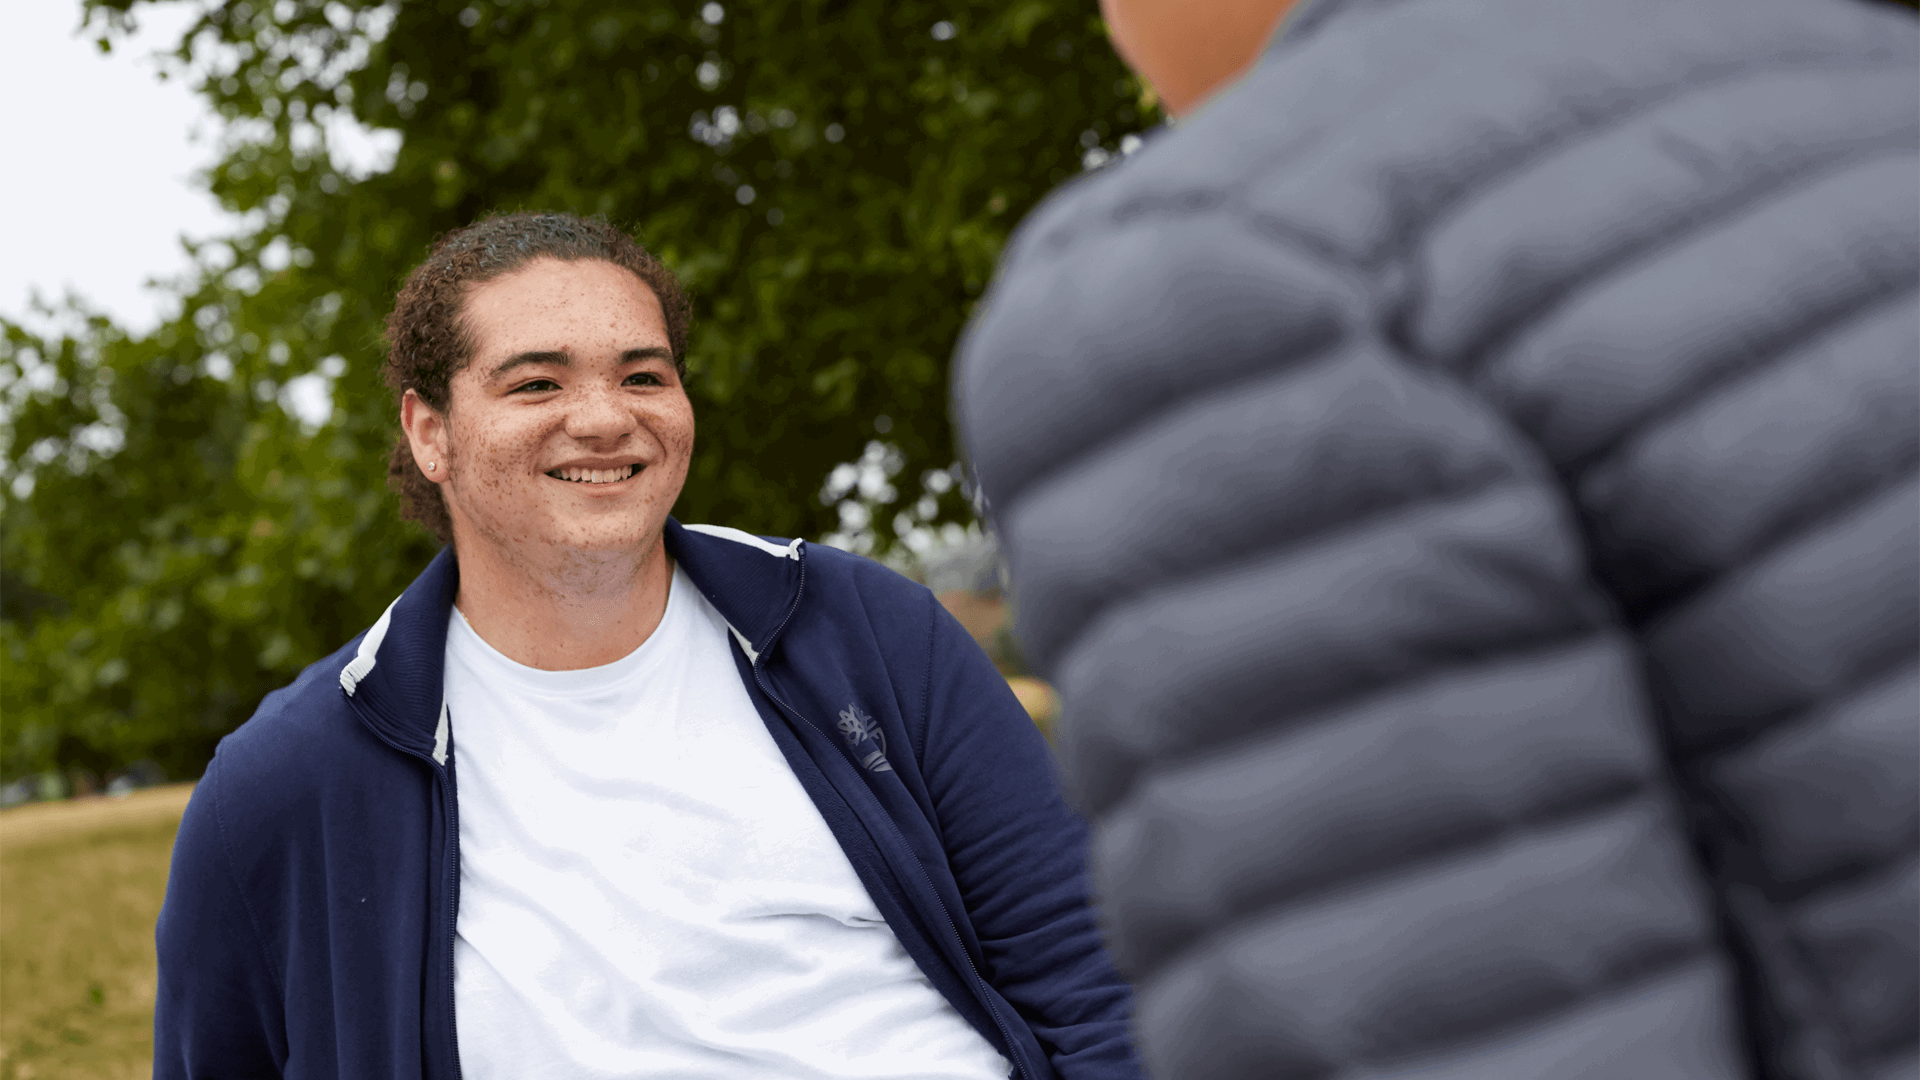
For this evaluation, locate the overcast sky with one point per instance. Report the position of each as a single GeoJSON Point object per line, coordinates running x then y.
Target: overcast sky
{"type": "Point", "coordinates": [97, 184]}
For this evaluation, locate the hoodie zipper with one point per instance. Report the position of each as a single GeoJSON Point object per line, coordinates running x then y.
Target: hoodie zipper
{"type": "Point", "coordinates": [450, 873]}
{"type": "Point", "coordinates": [953, 930]}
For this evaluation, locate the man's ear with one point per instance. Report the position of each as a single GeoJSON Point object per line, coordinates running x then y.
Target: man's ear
{"type": "Point", "coordinates": [427, 434]}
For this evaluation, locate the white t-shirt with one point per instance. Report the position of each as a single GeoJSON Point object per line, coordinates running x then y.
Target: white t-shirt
{"type": "Point", "coordinates": [647, 891]}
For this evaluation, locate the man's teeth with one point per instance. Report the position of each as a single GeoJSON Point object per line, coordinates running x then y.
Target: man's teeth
{"type": "Point", "coordinates": [595, 476]}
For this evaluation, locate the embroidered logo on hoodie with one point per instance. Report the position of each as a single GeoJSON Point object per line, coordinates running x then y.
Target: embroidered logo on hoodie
{"type": "Point", "coordinates": [857, 728]}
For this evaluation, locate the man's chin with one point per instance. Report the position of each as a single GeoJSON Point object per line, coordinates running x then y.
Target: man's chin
{"type": "Point", "coordinates": [607, 537]}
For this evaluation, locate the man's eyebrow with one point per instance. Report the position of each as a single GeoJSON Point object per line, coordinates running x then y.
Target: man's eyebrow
{"type": "Point", "coordinates": [535, 357]}
{"type": "Point", "coordinates": [551, 356]}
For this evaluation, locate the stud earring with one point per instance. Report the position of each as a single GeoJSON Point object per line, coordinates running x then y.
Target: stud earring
{"type": "Point", "coordinates": [432, 465]}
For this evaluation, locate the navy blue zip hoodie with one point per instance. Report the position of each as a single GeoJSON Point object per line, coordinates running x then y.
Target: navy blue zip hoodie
{"type": "Point", "coordinates": [309, 918]}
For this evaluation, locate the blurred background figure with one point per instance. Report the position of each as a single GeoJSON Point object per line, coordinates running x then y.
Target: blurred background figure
{"type": "Point", "coordinates": [1461, 481]}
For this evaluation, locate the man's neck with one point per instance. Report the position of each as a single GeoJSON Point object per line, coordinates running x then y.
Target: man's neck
{"type": "Point", "coordinates": [581, 610]}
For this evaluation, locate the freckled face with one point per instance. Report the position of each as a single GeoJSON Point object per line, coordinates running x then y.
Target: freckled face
{"type": "Point", "coordinates": [570, 429]}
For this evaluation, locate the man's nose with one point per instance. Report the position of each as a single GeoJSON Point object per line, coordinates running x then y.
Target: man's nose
{"type": "Point", "coordinates": [599, 413]}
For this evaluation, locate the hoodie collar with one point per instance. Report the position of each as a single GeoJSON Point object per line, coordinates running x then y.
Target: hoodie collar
{"type": "Point", "coordinates": [754, 583]}
{"type": "Point", "coordinates": [395, 678]}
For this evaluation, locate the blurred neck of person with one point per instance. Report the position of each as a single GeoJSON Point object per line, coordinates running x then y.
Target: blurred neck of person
{"type": "Point", "coordinates": [563, 447]}
{"type": "Point", "coordinates": [1189, 50]}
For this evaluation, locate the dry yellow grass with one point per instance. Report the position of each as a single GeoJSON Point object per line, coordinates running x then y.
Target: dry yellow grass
{"type": "Point", "coordinates": [80, 886]}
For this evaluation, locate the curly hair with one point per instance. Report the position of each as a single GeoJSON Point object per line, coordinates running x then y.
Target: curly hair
{"type": "Point", "coordinates": [429, 340]}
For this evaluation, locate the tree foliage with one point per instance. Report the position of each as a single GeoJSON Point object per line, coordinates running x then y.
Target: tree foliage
{"type": "Point", "coordinates": [833, 179]}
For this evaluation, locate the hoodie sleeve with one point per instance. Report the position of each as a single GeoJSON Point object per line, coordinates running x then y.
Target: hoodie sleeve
{"type": "Point", "coordinates": [219, 1009]}
{"type": "Point", "coordinates": [1019, 856]}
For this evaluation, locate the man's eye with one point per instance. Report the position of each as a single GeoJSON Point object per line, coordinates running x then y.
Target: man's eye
{"type": "Point", "coordinates": [537, 386]}
{"type": "Point", "coordinates": [644, 378]}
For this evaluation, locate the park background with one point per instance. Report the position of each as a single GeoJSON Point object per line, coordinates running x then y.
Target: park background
{"type": "Point", "coordinates": [192, 504]}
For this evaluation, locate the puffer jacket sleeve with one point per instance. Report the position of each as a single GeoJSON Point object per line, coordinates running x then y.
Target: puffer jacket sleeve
{"type": "Point", "coordinates": [1374, 777]}
{"type": "Point", "coordinates": [218, 1011]}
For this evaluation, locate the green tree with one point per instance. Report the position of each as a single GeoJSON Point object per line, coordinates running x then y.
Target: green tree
{"type": "Point", "coordinates": [832, 178]}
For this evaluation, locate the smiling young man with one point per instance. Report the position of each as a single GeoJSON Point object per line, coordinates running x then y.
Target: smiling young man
{"type": "Point", "coordinates": [603, 795]}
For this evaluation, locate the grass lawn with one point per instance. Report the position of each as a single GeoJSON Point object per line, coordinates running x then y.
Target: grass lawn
{"type": "Point", "coordinates": [80, 887]}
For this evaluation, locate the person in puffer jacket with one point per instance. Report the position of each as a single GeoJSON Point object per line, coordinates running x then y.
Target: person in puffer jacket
{"type": "Point", "coordinates": [1461, 479]}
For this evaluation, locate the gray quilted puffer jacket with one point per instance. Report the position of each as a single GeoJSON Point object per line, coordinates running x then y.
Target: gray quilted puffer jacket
{"type": "Point", "coordinates": [1463, 484]}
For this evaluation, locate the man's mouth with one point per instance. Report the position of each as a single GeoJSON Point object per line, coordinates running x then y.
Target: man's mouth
{"type": "Point", "coordinates": [596, 476]}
